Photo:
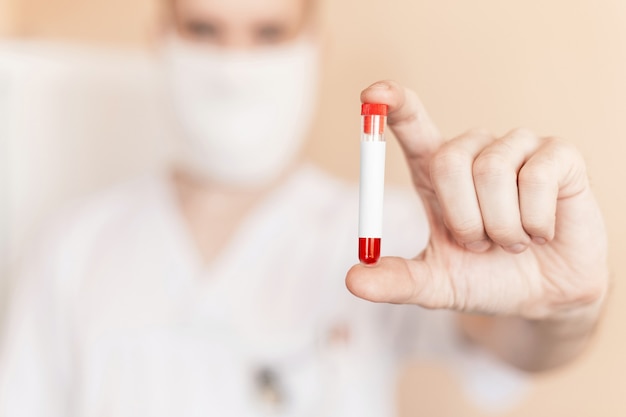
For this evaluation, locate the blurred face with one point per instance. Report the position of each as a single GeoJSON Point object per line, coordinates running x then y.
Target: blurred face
{"type": "Point", "coordinates": [240, 24]}
{"type": "Point", "coordinates": [243, 82]}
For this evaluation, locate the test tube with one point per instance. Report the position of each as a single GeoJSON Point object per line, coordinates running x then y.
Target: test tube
{"type": "Point", "coordinates": [372, 181]}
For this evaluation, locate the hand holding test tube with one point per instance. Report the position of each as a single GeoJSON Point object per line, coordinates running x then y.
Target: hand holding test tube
{"type": "Point", "coordinates": [516, 233]}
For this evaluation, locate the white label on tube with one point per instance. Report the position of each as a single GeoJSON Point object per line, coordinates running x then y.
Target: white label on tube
{"type": "Point", "coordinates": [372, 189]}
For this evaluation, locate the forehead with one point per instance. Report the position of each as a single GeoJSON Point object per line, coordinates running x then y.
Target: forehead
{"type": "Point", "coordinates": [240, 9]}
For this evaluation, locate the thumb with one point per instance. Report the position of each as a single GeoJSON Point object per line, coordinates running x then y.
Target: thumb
{"type": "Point", "coordinates": [401, 281]}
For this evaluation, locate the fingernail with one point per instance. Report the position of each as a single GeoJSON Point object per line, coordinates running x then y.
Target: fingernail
{"type": "Point", "coordinates": [480, 246]}
{"type": "Point", "coordinates": [517, 248]}
{"type": "Point", "coordinates": [539, 240]}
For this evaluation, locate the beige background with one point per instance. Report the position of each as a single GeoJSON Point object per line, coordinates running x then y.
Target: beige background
{"type": "Point", "coordinates": [557, 66]}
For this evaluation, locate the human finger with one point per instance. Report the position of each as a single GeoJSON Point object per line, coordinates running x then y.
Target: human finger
{"type": "Point", "coordinates": [453, 182]}
{"type": "Point", "coordinates": [401, 281]}
{"type": "Point", "coordinates": [544, 179]}
{"type": "Point", "coordinates": [495, 172]}
{"type": "Point", "coordinates": [417, 134]}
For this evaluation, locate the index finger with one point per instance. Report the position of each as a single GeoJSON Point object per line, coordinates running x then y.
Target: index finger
{"type": "Point", "coordinates": [407, 118]}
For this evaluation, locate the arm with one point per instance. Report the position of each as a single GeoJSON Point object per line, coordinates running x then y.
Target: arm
{"type": "Point", "coordinates": [534, 345]}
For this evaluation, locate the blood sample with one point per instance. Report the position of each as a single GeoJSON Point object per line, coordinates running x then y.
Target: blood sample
{"type": "Point", "coordinates": [372, 182]}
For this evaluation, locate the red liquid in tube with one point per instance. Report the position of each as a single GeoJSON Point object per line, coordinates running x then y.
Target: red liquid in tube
{"type": "Point", "coordinates": [369, 250]}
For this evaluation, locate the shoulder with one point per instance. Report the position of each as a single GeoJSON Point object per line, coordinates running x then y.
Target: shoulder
{"type": "Point", "coordinates": [70, 237]}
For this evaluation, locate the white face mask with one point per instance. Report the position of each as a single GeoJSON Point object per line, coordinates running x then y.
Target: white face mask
{"type": "Point", "coordinates": [244, 114]}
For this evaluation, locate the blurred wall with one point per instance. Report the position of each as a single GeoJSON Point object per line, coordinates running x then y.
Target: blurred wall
{"type": "Point", "coordinates": [109, 21]}
{"type": "Point", "coordinates": [557, 66]}
{"type": "Point", "coordinates": [7, 17]}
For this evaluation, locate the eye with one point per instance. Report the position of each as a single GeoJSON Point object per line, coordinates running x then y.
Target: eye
{"type": "Point", "coordinates": [271, 33]}
{"type": "Point", "coordinates": [201, 29]}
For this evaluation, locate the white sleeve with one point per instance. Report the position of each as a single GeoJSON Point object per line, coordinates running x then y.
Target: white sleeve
{"type": "Point", "coordinates": [35, 356]}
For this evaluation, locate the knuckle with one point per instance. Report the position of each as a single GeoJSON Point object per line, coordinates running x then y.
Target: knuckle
{"type": "Point", "coordinates": [522, 132]}
{"type": "Point", "coordinates": [535, 174]}
{"type": "Point", "coordinates": [490, 164]}
{"type": "Point", "coordinates": [569, 165]}
{"type": "Point", "coordinates": [447, 161]}
{"type": "Point", "coordinates": [562, 148]}
{"type": "Point", "coordinates": [556, 141]}
{"type": "Point", "coordinates": [574, 153]}
{"type": "Point", "coordinates": [478, 131]}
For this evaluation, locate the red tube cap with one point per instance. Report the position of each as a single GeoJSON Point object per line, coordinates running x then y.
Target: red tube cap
{"type": "Point", "coordinates": [372, 109]}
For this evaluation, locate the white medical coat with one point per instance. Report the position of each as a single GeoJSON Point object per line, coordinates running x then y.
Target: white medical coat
{"type": "Point", "coordinates": [115, 314]}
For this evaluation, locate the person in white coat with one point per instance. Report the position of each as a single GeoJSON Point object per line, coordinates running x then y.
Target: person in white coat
{"type": "Point", "coordinates": [217, 287]}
